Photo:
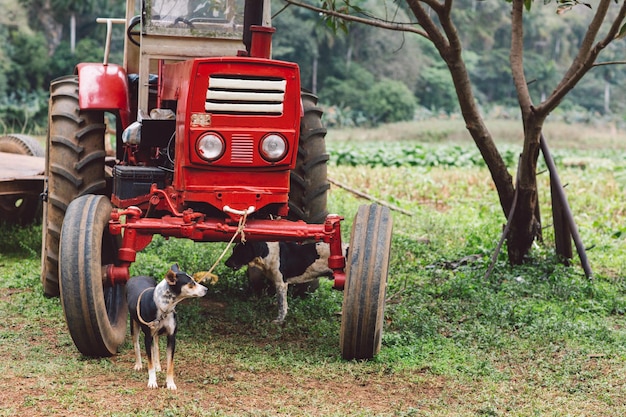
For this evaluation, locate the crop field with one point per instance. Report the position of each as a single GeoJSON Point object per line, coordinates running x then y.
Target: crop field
{"type": "Point", "coordinates": [533, 340]}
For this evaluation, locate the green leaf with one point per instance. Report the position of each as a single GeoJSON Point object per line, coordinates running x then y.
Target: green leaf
{"type": "Point", "coordinates": [563, 8]}
{"type": "Point", "coordinates": [621, 33]}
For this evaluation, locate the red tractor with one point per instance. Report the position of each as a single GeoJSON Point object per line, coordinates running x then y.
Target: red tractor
{"type": "Point", "coordinates": [212, 137]}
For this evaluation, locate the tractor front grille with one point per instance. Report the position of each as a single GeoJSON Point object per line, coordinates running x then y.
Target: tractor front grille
{"type": "Point", "coordinates": [242, 150]}
{"type": "Point", "coordinates": [245, 95]}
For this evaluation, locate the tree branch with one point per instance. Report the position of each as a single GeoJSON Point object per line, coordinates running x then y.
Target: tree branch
{"type": "Point", "coordinates": [433, 4]}
{"type": "Point", "coordinates": [616, 26]}
{"type": "Point", "coordinates": [368, 196]}
{"type": "Point", "coordinates": [441, 31]}
{"type": "Point", "coordinates": [516, 57]}
{"type": "Point", "coordinates": [449, 47]}
{"type": "Point", "coordinates": [602, 64]}
{"type": "Point", "coordinates": [587, 54]}
{"type": "Point", "coordinates": [379, 23]}
{"type": "Point", "coordinates": [427, 23]}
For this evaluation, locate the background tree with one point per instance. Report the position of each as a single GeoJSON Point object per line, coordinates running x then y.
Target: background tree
{"type": "Point", "coordinates": [54, 15]}
{"type": "Point", "coordinates": [435, 21]}
{"type": "Point", "coordinates": [341, 67]}
{"type": "Point", "coordinates": [35, 48]}
{"type": "Point", "coordinates": [325, 57]}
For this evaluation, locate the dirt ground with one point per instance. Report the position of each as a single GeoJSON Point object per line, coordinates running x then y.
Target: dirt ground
{"type": "Point", "coordinates": [238, 393]}
{"type": "Point", "coordinates": [46, 376]}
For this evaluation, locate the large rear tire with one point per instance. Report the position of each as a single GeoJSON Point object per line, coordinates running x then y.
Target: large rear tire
{"type": "Point", "coordinates": [367, 266]}
{"type": "Point", "coordinates": [20, 209]}
{"type": "Point", "coordinates": [74, 167]}
{"type": "Point", "coordinates": [308, 193]}
{"type": "Point", "coordinates": [94, 311]}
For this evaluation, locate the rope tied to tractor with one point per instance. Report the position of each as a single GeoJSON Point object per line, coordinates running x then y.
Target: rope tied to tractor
{"type": "Point", "coordinates": [199, 276]}
{"type": "Point", "coordinates": [203, 276]}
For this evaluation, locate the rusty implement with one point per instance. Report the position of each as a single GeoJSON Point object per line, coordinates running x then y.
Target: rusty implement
{"type": "Point", "coordinates": [21, 184]}
{"type": "Point", "coordinates": [21, 174]}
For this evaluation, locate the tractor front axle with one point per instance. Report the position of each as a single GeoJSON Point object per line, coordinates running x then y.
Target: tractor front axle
{"type": "Point", "coordinates": [137, 233]}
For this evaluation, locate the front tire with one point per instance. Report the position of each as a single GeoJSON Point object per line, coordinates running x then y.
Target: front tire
{"type": "Point", "coordinates": [367, 266]}
{"type": "Point", "coordinates": [74, 167]}
{"type": "Point", "coordinates": [94, 311]}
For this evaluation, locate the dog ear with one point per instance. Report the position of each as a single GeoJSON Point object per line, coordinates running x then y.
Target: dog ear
{"type": "Point", "coordinates": [249, 251]}
{"type": "Point", "coordinates": [170, 276]}
{"type": "Point", "coordinates": [260, 249]}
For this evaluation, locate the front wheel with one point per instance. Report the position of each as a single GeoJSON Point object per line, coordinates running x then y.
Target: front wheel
{"type": "Point", "coordinates": [367, 265]}
{"type": "Point", "coordinates": [95, 312]}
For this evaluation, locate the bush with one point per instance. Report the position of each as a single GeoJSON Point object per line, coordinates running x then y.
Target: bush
{"type": "Point", "coordinates": [410, 154]}
{"type": "Point", "coordinates": [346, 89]}
{"type": "Point", "coordinates": [24, 114]}
{"type": "Point", "coordinates": [389, 101]}
{"type": "Point", "coordinates": [23, 101]}
{"type": "Point", "coordinates": [435, 89]}
{"type": "Point", "coordinates": [87, 50]}
{"type": "Point", "coordinates": [357, 99]}
{"type": "Point", "coordinates": [30, 61]}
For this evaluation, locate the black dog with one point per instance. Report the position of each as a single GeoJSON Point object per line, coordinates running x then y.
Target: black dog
{"type": "Point", "coordinates": [151, 308]}
{"type": "Point", "coordinates": [283, 263]}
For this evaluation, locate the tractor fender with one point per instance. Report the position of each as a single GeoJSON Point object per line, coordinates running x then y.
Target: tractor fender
{"type": "Point", "coordinates": [104, 87]}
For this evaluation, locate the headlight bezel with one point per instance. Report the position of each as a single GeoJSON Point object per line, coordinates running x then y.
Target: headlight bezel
{"type": "Point", "coordinates": [212, 139]}
{"type": "Point", "coordinates": [273, 147]}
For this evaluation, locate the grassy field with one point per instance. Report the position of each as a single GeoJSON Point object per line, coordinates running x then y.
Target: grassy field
{"type": "Point", "coordinates": [534, 340]}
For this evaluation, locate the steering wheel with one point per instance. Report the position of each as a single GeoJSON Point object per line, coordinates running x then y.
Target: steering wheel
{"type": "Point", "coordinates": [133, 33]}
{"type": "Point", "coordinates": [187, 22]}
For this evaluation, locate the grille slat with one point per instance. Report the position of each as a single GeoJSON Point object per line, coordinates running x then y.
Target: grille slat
{"type": "Point", "coordinates": [242, 149]}
{"type": "Point", "coordinates": [245, 96]}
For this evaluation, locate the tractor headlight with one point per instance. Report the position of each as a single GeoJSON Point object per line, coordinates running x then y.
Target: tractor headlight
{"type": "Point", "coordinates": [210, 146]}
{"type": "Point", "coordinates": [273, 147]}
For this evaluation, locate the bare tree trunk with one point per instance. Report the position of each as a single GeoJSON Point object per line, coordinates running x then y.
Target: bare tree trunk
{"type": "Point", "coordinates": [52, 29]}
{"type": "Point", "coordinates": [73, 33]}
{"type": "Point", "coordinates": [448, 45]}
{"type": "Point", "coordinates": [525, 227]}
{"type": "Point", "coordinates": [314, 74]}
{"type": "Point", "coordinates": [607, 97]}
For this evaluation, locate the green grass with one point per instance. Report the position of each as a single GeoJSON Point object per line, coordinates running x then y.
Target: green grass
{"type": "Point", "coordinates": [536, 339]}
